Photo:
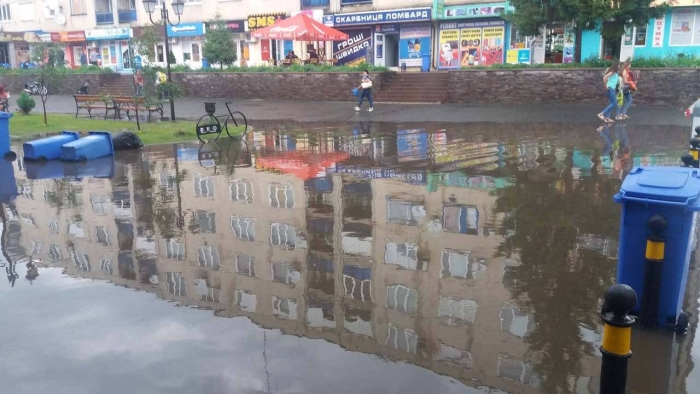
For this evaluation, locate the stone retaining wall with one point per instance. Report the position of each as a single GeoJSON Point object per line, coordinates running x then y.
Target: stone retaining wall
{"type": "Point", "coordinates": [69, 85]}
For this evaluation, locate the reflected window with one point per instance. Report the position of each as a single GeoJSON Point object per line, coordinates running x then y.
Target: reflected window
{"type": "Point", "coordinates": [402, 298]}
{"type": "Point", "coordinates": [168, 181]}
{"type": "Point", "coordinates": [456, 357]}
{"type": "Point", "coordinates": [207, 222]}
{"type": "Point", "coordinates": [102, 236]}
{"type": "Point", "coordinates": [285, 308]}
{"type": "Point", "coordinates": [404, 255]}
{"type": "Point", "coordinates": [100, 204]}
{"type": "Point", "coordinates": [283, 235]}
{"type": "Point", "coordinates": [358, 283]}
{"type": "Point", "coordinates": [241, 191]}
{"type": "Point", "coordinates": [460, 265]}
{"type": "Point", "coordinates": [206, 293]}
{"type": "Point", "coordinates": [358, 321]}
{"type": "Point", "coordinates": [174, 250]}
{"type": "Point", "coordinates": [402, 339]}
{"type": "Point", "coordinates": [243, 228]}
{"type": "Point", "coordinates": [320, 313]}
{"type": "Point", "coordinates": [356, 246]}
{"type": "Point", "coordinates": [287, 273]}
{"type": "Point", "coordinates": [209, 257]}
{"type": "Point", "coordinates": [246, 301]}
{"type": "Point", "coordinates": [26, 189]}
{"type": "Point", "coordinates": [28, 219]}
{"type": "Point", "coordinates": [203, 186]}
{"type": "Point", "coordinates": [106, 266]}
{"type": "Point", "coordinates": [405, 213]}
{"type": "Point", "coordinates": [122, 209]}
{"type": "Point", "coordinates": [81, 261]}
{"type": "Point", "coordinates": [515, 320]}
{"type": "Point", "coordinates": [36, 247]}
{"type": "Point", "coordinates": [517, 370]}
{"type": "Point", "coordinates": [54, 228]}
{"type": "Point", "coordinates": [55, 252]}
{"type": "Point", "coordinates": [460, 219]}
{"type": "Point", "coordinates": [75, 229]}
{"type": "Point", "coordinates": [454, 312]}
{"type": "Point", "coordinates": [245, 265]}
{"type": "Point", "coordinates": [281, 196]}
{"type": "Point", "coordinates": [176, 284]}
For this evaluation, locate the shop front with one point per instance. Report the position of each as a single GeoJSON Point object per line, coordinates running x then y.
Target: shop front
{"type": "Point", "coordinates": [114, 47]}
{"type": "Point", "coordinates": [472, 35]}
{"type": "Point", "coordinates": [237, 28]}
{"type": "Point", "coordinates": [390, 38]}
{"type": "Point", "coordinates": [263, 52]}
{"type": "Point", "coordinates": [186, 41]}
{"type": "Point", "coordinates": [14, 48]}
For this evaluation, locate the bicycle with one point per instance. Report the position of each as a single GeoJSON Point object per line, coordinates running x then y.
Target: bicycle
{"type": "Point", "coordinates": [210, 124]}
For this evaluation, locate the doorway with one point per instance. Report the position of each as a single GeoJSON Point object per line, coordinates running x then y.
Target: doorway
{"type": "Point", "coordinates": [386, 50]}
{"type": "Point", "coordinates": [77, 52]}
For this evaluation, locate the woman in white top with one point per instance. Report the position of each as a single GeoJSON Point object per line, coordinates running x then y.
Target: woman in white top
{"type": "Point", "coordinates": [365, 91]}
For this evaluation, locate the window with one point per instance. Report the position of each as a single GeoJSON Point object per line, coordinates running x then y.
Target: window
{"type": "Point", "coordinates": [515, 321]}
{"type": "Point", "coordinates": [360, 290]}
{"type": "Point", "coordinates": [640, 36]}
{"type": "Point", "coordinates": [168, 181]}
{"type": "Point", "coordinates": [406, 213]}
{"type": "Point", "coordinates": [241, 191]}
{"type": "Point", "coordinates": [243, 228]}
{"type": "Point", "coordinates": [287, 273]}
{"type": "Point", "coordinates": [245, 265]}
{"type": "Point", "coordinates": [456, 357]}
{"type": "Point", "coordinates": [285, 308]}
{"type": "Point", "coordinates": [81, 261]}
{"type": "Point", "coordinates": [36, 247]}
{"type": "Point", "coordinates": [25, 188]}
{"type": "Point", "coordinates": [405, 256]}
{"type": "Point", "coordinates": [517, 370]}
{"type": "Point", "coordinates": [402, 339]}
{"type": "Point", "coordinates": [203, 186]}
{"type": "Point", "coordinates": [460, 265]}
{"type": "Point", "coordinates": [283, 235]}
{"type": "Point", "coordinates": [281, 196]}
{"type": "Point", "coordinates": [320, 313]}
{"type": "Point", "coordinates": [102, 236]}
{"type": "Point", "coordinates": [176, 284]}
{"type": "Point", "coordinates": [460, 219]}
{"type": "Point", "coordinates": [5, 13]}
{"type": "Point", "coordinates": [206, 293]}
{"type": "Point", "coordinates": [75, 229]}
{"type": "Point", "coordinates": [684, 30]}
{"type": "Point", "coordinates": [402, 298]}
{"type": "Point", "coordinates": [193, 1]}
{"type": "Point", "coordinates": [358, 320]}
{"type": "Point", "coordinates": [106, 266]}
{"type": "Point", "coordinates": [28, 219]}
{"type": "Point", "coordinates": [160, 52]}
{"type": "Point", "coordinates": [207, 222]}
{"type": "Point", "coordinates": [209, 257]}
{"type": "Point", "coordinates": [53, 226]}
{"type": "Point", "coordinates": [77, 7]}
{"type": "Point", "coordinates": [195, 53]}
{"type": "Point", "coordinates": [174, 250]}
{"type": "Point", "coordinates": [122, 209]}
{"type": "Point", "coordinates": [100, 204]}
{"type": "Point", "coordinates": [453, 312]}
{"type": "Point", "coordinates": [55, 252]}
{"type": "Point", "coordinates": [246, 301]}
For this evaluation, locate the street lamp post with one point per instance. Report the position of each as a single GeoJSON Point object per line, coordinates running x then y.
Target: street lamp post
{"type": "Point", "coordinates": [178, 6]}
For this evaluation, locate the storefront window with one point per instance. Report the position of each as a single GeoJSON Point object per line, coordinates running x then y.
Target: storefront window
{"type": "Point", "coordinates": [195, 53]}
{"type": "Point", "coordinates": [683, 29]}
{"type": "Point", "coordinates": [160, 53]}
{"type": "Point", "coordinates": [640, 38]}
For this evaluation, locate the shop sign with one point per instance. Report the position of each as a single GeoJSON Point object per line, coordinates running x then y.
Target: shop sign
{"type": "Point", "coordinates": [68, 36]}
{"type": "Point", "coordinates": [261, 21]}
{"type": "Point", "coordinates": [234, 26]}
{"type": "Point", "coordinates": [483, 10]}
{"type": "Point", "coordinates": [417, 177]}
{"type": "Point", "coordinates": [374, 17]}
{"type": "Point", "coordinates": [354, 50]}
{"type": "Point", "coordinates": [19, 37]}
{"type": "Point", "coordinates": [390, 28]}
{"type": "Point", "coordinates": [658, 37]}
{"type": "Point", "coordinates": [186, 30]}
{"type": "Point", "coordinates": [119, 33]}
{"type": "Point", "coordinates": [518, 56]}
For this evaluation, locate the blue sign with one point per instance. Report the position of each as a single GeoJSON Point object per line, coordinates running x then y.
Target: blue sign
{"type": "Point", "coordinates": [374, 17]}
{"type": "Point", "coordinates": [390, 28]}
{"type": "Point", "coordinates": [354, 50]}
{"type": "Point", "coordinates": [186, 30]}
{"type": "Point", "coordinates": [524, 56]}
{"type": "Point", "coordinates": [415, 177]}
{"type": "Point", "coordinates": [137, 62]}
{"type": "Point", "coordinates": [414, 42]}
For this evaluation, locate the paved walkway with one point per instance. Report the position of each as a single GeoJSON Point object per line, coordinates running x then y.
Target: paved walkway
{"type": "Point", "coordinates": [314, 111]}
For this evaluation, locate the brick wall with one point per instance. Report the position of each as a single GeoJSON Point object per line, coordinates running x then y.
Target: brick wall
{"type": "Point", "coordinates": [677, 87]}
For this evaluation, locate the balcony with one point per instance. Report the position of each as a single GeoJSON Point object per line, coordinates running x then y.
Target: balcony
{"type": "Point", "coordinates": [126, 16]}
{"type": "Point", "coordinates": [104, 18]}
{"type": "Point", "coordinates": [315, 3]}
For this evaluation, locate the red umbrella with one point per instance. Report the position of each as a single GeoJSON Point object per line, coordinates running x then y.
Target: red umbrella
{"type": "Point", "coordinates": [300, 28]}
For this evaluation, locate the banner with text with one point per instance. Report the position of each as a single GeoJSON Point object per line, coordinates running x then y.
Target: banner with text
{"type": "Point", "coordinates": [468, 44]}
{"type": "Point", "coordinates": [414, 42]}
{"type": "Point", "coordinates": [353, 51]}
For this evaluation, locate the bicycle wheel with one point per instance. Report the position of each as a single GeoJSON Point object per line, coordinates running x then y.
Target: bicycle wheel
{"type": "Point", "coordinates": [236, 125]}
{"type": "Point", "coordinates": [208, 126]}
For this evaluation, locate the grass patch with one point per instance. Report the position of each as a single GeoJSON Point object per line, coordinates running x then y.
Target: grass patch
{"type": "Point", "coordinates": [27, 127]}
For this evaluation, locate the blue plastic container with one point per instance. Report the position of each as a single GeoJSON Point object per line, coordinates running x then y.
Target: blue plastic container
{"type": "Point", "coordinates": [673, 193]}
{"type": "Point", "coordinates": [98, 168]}
{"type": "Point", "coordinates": [205, 63]}
{"type": "Point", "coordinates": [356, 92]}
{"type": "Point", "coordinates": [97, 144]}
{"type": "Point", "coordinates": [425, 66]}
{"type": "Point", "coordinates": [44, 169]}
{"type": "Point", "coordinates": [48, 148]}
{"type": "Point", "coordinates": [4, 133]}
{"type": "Point", "coordinates": [8, 185]}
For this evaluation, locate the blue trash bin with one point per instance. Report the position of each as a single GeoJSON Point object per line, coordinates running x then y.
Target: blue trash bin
{"type": "Point", "coordinates": [8, 185]}
{"type": "Point", "coordinates": [425, 66]}
{"type": "Point", "coordinates": [673, 193]}
{"type": "Point", "coordinates": [48, 148]}
{"type": "Point", "coordinates": [43, 169]}
{"type": "Point", "coordinates": [4, 133]}
{"type": "Point", "coordinates": [98, 168]}
{"type": "Point", "coordinates": [97, 144]}
{"type": "Point", "coordinates": [205, 62]}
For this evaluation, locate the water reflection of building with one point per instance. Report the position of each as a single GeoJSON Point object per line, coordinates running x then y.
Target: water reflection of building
{"type": "Point", "coordinates": [375, 265]}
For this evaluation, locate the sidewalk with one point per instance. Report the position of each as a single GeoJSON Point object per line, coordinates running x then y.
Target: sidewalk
{"type": "Point", "coordinates": [313, 111]}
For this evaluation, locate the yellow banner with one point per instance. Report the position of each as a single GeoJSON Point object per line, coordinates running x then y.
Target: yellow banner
{"type": "Point", "coordinates": [470, 47]}
{"type": "Point", "coordinates": [449, 48]}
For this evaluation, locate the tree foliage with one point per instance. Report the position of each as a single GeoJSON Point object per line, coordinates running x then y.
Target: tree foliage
{"type": "Point", "coordinates": [219, 46]}
{"type": "Point", "coordinates": [51, 57]}
{"type": "Point", "coordinates": [146, 43]}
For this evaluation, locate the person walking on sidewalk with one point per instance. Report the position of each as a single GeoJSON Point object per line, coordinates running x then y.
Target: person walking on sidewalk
{"type": "Point", "coordinates": [611, 81]}
{"type": "Point", "coordinates": [138, 83]}
{"type": "Point", "coordinates": [628, 86]}
{"type": "Point", "coordinates": [365, 91]}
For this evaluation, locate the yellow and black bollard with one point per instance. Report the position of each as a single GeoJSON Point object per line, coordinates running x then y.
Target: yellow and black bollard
{"type": "Point", "coordinates": [695, 151]}
{"type": "Point", "coordinates": [617, 337]}
{"type": "Point", "coordinates": [654, 262]}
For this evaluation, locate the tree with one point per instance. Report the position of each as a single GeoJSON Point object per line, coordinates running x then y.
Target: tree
{"type": "Point", "coordinates": [51, 71]}
{"type": "Point", "coordinates": [219, 46]}
{"type": "Point", "coordinates": [146, 43]}
{"type": "Point", "coordinates": [531, 15]}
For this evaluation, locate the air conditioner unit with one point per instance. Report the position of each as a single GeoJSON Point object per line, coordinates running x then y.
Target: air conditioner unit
{"type": "Point", "coordinates": [250, 39]}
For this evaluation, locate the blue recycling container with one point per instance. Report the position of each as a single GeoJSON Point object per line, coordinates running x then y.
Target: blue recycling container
{"type": "Point", "coordinates": [97, 144]}
{"type": "Point", "coordinates": [48, 148]}
{"type": "Point", "coordinates": [8, 185]}
{"type": "Point", "coordinates": [425, 66]}
{"type": "Point", "coordinates": [98, 168]}
{"type": "Point", "coordinates": [4, 133]}
{"type": "Point", "coordinates": [44, 169]}
{"type": "Point", "coordinates": [674, 193]}
{"type": "Point", "coordinates": [205, 63]}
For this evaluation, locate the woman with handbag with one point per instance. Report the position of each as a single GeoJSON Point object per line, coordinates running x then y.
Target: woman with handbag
{"type": "Point", "coordinates": [628, 86]}
{"type": "Point", "coordinates": [366, 91]}
{"type": "Point", "coordinates": [611, 81]}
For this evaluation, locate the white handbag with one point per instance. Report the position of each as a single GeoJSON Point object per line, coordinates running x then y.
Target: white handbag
{"type": "Point", "coordinates": [367, 85]}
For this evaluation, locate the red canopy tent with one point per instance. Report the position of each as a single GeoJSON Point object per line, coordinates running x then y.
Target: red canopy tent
{"type": "Point", "coordinates": [300, 28]}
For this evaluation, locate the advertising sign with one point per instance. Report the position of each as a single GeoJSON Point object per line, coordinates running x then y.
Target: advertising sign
{"type": "Point", "coordinates": [518, 56]}
{"type": "Point", "coordinates": [70, 36]}
{"type": "Point", "coordinates": [186, 30]}
{"type": "Point", "coordinates": [470, 47]}
{"type": "Point", "coordinates": [261, 21]}
{"type": "Point", "coordinates": [416, 177]}
{"type": "Point", "coordinates": [265, 49]}
{"type": "Point", "coordinates": [569, 43]}
{"type": "Point", "coordinates": [658, 37]}
{"type": "Point", "coordinates": [492, 46]}
{"type": "Point", "coordinates": [473, 11]}
{"type": "Point", "coordinates": [412, 145]}
{"type": "Point", "coordinates": [354, 50]}
{"type": "Point", "coordinates": [466, 44]}
{"type": "Point", "coordinates": [449, 49]}
{"type": "Point", "coordinates": [414, 42]}
{"type": "Point", "coordinates": [682, 23]}
{"type": "Point", "coordinates": [120, 33]}
{"type": "Point", "coordinates": [234, 26]}
{"type": "Point", "coordinates": [374, 17]}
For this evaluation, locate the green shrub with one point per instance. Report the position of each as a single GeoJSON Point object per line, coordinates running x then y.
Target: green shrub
{"type": "Point", "coordinates": [25, 103]}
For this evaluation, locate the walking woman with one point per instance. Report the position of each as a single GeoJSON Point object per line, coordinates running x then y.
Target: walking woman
{"type": "Point", "coordinates": [628, 86]}
{"type": "Point", "coordinates": [366, 91]}
{"type": "Point", "coordinates": [611, 81]}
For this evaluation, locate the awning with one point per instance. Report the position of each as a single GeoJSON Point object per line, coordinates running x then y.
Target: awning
{"type": "Point", "coordinates": [300, 28]}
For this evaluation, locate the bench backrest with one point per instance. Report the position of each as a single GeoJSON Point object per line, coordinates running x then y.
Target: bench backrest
{"type": "Point", "coordinates": [87, 97]}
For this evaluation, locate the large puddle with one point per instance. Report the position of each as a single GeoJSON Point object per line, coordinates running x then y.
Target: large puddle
{"type": "Point", "coordinates": [314, 259]}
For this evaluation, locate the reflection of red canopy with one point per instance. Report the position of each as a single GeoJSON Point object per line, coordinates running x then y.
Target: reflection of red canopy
{"type": "Point", "coordinates": [303, 165]}
{"type": "Point", "coordinates": [300, 28]}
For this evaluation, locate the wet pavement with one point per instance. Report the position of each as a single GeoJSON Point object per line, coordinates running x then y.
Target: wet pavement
{"type": "Point", "coordinates": [315, 258]}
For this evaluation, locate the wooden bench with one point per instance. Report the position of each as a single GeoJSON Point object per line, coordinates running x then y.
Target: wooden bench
{"type": "Point", "coordinates": [89, 102]}
{"type": "Point", "coordinates": [136, 104]}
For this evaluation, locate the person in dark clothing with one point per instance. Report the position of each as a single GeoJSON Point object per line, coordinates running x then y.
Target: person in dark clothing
{"type": "Point", "coordinates": [83, 59]}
